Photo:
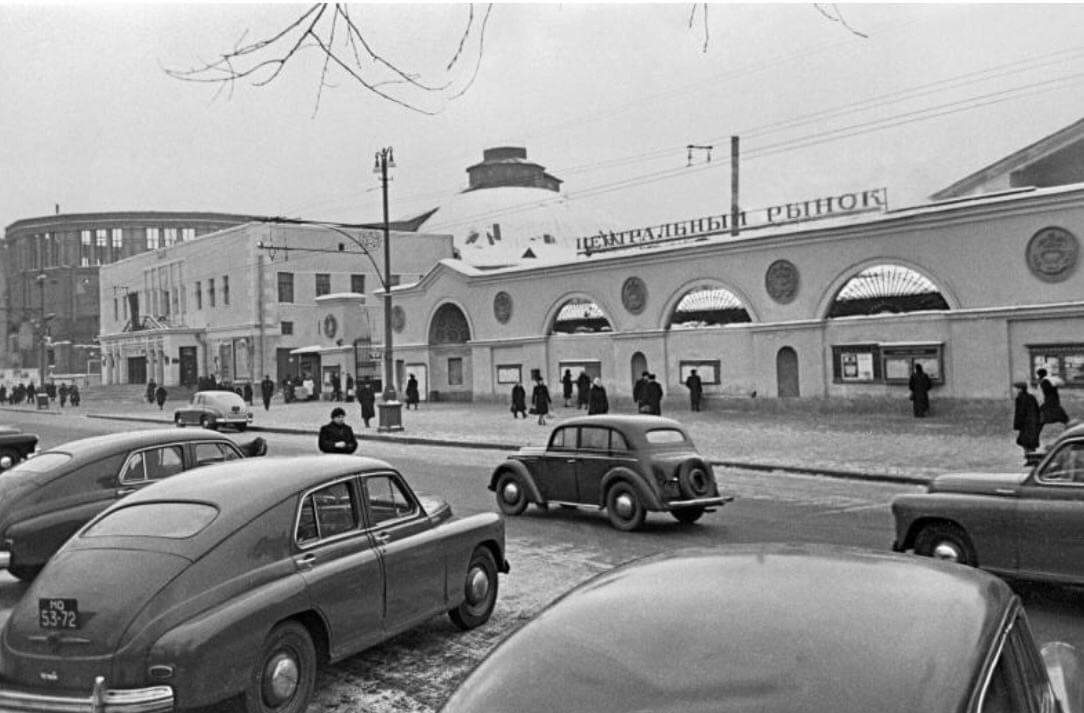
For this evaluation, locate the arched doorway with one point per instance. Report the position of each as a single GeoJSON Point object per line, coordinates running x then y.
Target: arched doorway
{"type": "Point", "coordinates": [786, 373]}
{"type": "Point", "coordinates": [638, 366]}
{"type": "Point", "coordinates": [450, 377]}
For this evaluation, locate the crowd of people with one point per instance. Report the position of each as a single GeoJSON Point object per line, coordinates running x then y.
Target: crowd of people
{"type": "Point", "coordinates": [16, 394]}
{"type": "Point", "coordinates": [1030, 417]}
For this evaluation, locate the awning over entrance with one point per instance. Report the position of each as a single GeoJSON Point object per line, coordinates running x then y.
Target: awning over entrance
{"type": "Point", "coordinates": [311, 349]}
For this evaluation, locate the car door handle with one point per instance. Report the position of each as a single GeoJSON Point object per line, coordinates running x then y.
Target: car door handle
{"type": "Point", "coordinates": [571, 460]}
{"type": "Point", "coordinates": [1005, 491]}
{"type": "Point", "coordinates": [125, 491]}
{"type": "Point", "coordinates": [306, 561]}
{"type": "Point", "coordinates": [382, 538]}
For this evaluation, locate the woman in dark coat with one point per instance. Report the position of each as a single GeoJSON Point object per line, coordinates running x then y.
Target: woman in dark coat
{"type": "Point", "coordinates": [519, 401]}
{"type": "Point", "coordinates": [412, 392]}
{"type": "Point", "coordinates": [1026, 418]}
{"type": "Point", "coordinates": [566, 386]}
{"type": "Point", "coordinates": [540, 401]}
{"type": "Point", "coordinates": [367, 399]}
{"type": "Point", "coordinates": [920, 384]}
{"type": "Point", "coordinates": [160, 396]}
{"type": "Point", "coordinates": [1051, 410]}
{"type": "Point", "coordinates": [596, 399]}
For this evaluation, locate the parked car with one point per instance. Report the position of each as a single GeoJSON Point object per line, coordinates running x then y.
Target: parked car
{"type": "Point", "coordinates": [238, 579]}
{"type": "Point", "coordinates": [1028, 525]}
{"type": "Point", "coordinates": [213, 409]}
{"type": "Point", "coordinates": [627, 465]}
{"type": "Point", "coordinates": [44, 500]}
{"type": "Point", "coordinates": [15, 446]}
{"type": "Point", "coordinates": [779, 628]}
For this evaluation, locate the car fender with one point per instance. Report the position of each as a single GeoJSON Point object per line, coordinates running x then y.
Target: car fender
{"type": "Point", "coordinates": [211, 651]}
{"type": "Point", "coordinates": [462, 537]}
{"type": "Point", "coordinates": [37, 538]}
{"type": "Point", "coordinates": [534, 495]}
{"type": "Point", "coordinates": [647, 494]}
{"type": "Point", "coordinates": [983, 519]}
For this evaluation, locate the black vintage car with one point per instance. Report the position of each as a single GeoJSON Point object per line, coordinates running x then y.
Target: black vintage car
{"type": "Point", "coordinates": [627, 465]}
{"type": "Point", "coordinates": [15, 446]}
{"type": "Point", "coordinates": [44, 500]}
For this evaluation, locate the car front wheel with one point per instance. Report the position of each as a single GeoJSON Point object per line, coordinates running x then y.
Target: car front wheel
{"type": "Point", "coordinates": [204, 422]}
{"type": "Point", "coordinates": [284, 675]}
{"type": "Point", "coordinates": [511, 495]}
{"type": "Point", "coordinates": [624, 508]}
{"type": "Point", "coordinates": [178, 420]}
{"type": "Point", "coordinates": [11, 455]}
{"type": "Point", "coordinates": [479, 591]}
{"type": "Point", "coordinates": [946, 542]}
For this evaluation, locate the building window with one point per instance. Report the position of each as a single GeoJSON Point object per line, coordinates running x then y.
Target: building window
{"type": "Point", "coordinates": [176, 296]}
{"type": "Point", "coordinates": [357, 284]}
{"type": "Point", "coordinates": [888, 363]}
{"type": "Point", "coordinates": [170, 237]}
{"type": "Point", "coordinates": [152, 238]}
{"type": "Point", "coordinates": [188, 234]}
{"type": "Point", "coordinates": [211, 292]}
{"type": "Point", "coordinates": [455, 371]}
{"type": "Point", "coordinates": [225, 289]}
{"type": "Point", "coordinates": [54, 248]}
{"type": "Point", "coordinates": [856, 363]}
{"type": "Point", "coordinates": [118, 238]}
{"type": "Point", "coordinates": [165, 302]}
{"type": "Point", "coordinates": [199, 295]}
{"type": "Point", "coordinates": [509, 373]}
{"type": "Point", "coordinates": [287, 328]}
{"type": "Point", "coordinates": [899, 362]}
{"type": "Point", "coordinates": [396, 280]}
{"type": "Point", "coordinates": [116, 310]}
{"type": "Point", "coordinates": [1064, 361]}
{"type": "Point", "coordinates": [323, 283]}
{"type": "Point", "coordinates": [84, 248]}
{"type": "Point", "coordinates": [100, 237]}
{"type": "Point", "coordinates": [286, 287]}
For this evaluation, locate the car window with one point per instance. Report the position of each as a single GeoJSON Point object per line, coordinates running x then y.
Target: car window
{"type": "Point", "coordinates": [133, 471]}
{"type": "Point", "coordinates": [387, 500]}
{"type": "Point", "coordinates": [207, 453]}
{"type": "Point", "coordinates": [1016, 685]}
{"type": "Point", "coordinates": [563, 438]}
{"type": "Point", "coordinates": [617, 441]}
{"type": "Point", "coordinates": [1032, 668]}
{"type": "Point", "coordinates": [1066, 465]}
{"type": "Point", "coordinates": [327, 512]}
{"type": "Point", "coordinates": [163, 462]}
{"type": "Point", "coordinates": [174, 521]}
{"type": "Point", "coordinates": [595, 438]}
{"type": "Point", "coordinates": [661, 436]}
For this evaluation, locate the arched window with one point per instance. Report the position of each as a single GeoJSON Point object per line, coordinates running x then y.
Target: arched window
{"type": "Point", "coordinates": [886, 288]}
{"type": "Point", "coordinates": [580, 316]}
{"type": "Point", "coordinates": [708, 306]}
{"type": "Point", "coordinates": [449, 326]}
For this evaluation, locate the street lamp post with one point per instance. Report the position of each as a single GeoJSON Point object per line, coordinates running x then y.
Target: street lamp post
{"type": "Point", "coordinates": [391, 410]}
{"type": "Point", "coordinates": [41, 328]}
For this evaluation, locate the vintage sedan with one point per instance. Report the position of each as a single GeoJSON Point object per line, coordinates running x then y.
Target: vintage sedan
{"type": "Point", "coordinates": [776, 629]}
{"type": "Point", "coordinates": [236, 580]}
{"type": "Point", "coordinates": [627, 465]}
{"type": "Point", "coordinates": [15, 445]}
{"type": "Point", "coordinates": [1028, 525]}
{"type": "Point", "coordinates": [44, 500]}
{"type": "Point", "coordinates": [213, 409]}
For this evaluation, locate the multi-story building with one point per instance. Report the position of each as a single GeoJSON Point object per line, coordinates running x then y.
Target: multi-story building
{"type": "Point", "coordinates": [49, 283]}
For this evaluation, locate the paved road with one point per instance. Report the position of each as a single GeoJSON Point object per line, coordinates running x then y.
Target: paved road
{"type": "Point", "coordinates": [552, 551]}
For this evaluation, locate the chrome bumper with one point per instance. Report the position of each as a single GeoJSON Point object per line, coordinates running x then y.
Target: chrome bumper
{"type": "Point", "coordinates": [155, 699]}
{"type": "Point", "coordinates": [699, 502]}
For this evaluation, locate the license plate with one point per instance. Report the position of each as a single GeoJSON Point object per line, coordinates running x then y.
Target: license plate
{"type": "Point", "coordinates": [58, 613]}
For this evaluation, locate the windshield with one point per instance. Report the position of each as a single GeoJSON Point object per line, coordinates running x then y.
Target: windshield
{"type": "Point", "coordinates": [169, 520]}
{"type": "Point", "coordinates": [42, 464]}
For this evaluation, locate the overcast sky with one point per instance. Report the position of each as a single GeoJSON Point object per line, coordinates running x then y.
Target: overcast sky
{"type": "Point", "coordinates": [606, 97]}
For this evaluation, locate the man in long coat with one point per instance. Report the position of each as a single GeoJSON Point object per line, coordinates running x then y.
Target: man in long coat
{"type": "Point", "coordinates": [596, 400]}
{"type": "Point", "coordinates": [920, 384]}
{"type": "Point", "coordinates": [583, 385]}
{"type": "Point", "coordinates": [1026, 418]}
{"type": "Point", "coordinates": [367, 400]}
{"type": "Point", "coordinates": [267, 390]}
{"type": "Point", "coordinates": [652, 396]}
{"type": "Point", "coordinates": [696, 389]}
{"type": "Point", "coordinates": [540, 401]}
{"type": "Point", "coordinates": [519, 401]}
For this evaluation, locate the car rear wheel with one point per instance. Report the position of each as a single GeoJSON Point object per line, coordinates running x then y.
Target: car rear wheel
{"type": "Point", "coordinates": [624, 508]}
{"type": "Point", "coordinates": [179, 421]}
{"type": "Point", "coordinates": [511, 495]}
{"type": "Point", "coordinates": [945, 541]}
{"type": "Point", "coordinates": [11, 455]}
{"type": "Point", "coordinates": [479, 591]}
{"type": "Point", "coordinates": [687, 516]}
{"type": "Point", "coordinates": [284, 675]}
{"type": "Point", "coordinates": [694, 480]}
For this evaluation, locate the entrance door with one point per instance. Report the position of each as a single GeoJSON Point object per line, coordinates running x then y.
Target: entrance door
{"type": "Point", "coordinates": [137, 370]}
{"type": "Point", "coordinates": [786, 372]}
{"type": "Point", "coordinates": [189, 367]}
{"type": "Point", "coordinates": [639, 366]}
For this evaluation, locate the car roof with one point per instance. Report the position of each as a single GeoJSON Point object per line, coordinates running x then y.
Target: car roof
{"type": "Point", "coordinates": [116, 442]}
{"type": "Point", "coordinates": [639, 422]}
{"type": "Point", "coordinates": [761, 627]}
{"type": "Point", "coordinates": [1074, 429]}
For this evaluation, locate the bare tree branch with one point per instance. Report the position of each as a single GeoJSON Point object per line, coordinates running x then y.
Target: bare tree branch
{"type": "Point", "coordinates": [481, 46]}
{"type": "Point", "coordinates": [463, 38]}
{"type": "Point", "coordinates": [838, 17]}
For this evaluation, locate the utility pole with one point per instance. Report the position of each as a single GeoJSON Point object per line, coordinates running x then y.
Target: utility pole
{"type": "Point", "coordinates": [41, 330]}
{"type": "Point", "coordinates": [735, 213]}
{"type": "Point", "coordinates": [391, 410]}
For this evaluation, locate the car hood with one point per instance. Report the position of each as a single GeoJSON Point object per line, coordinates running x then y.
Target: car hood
{"type": "Point", "coordinates": [990, 483]}
{"type": "Point", "coordinates": [531, 451]}
{"type": "Point", "coordinates": [109, 596]}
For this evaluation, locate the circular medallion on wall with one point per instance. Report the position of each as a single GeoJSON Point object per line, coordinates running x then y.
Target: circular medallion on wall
{"type": "Point", "coordinates": [634, 295]}
{"type": "Point", "coordinates": [331, 326]}
{"type": "Point", "coordinates": [1052, 254]}
{"type": "Point", "coordinates": [398, 318]}
{"type": "Point", "coordinates": [502, 307]}
{"type": "Point", "coordinates": [781, 281]}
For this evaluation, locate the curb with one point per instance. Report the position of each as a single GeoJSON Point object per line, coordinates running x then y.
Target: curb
{"type": "Point", "coordinates": [487, 445]}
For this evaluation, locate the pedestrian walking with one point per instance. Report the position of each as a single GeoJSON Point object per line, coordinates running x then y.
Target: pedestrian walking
{"type": "Point", "coordinates": [31, 393]}
{"type": "Point", "coordinates": [652, 396]}
{"type": "Point", "coordinates": [638, 392]}
{"type": "Point", "coordinates": [1026, 418]}
{"type": "Point", "coordinates": [151, 386]}
{"type": "Point", "coordinates": [540, 401]}
{"type": "Point", "coordinates": [63, 393]}
{"type": "Point", "coordinates": [267, 390]}
{"type": "Point", "coordinates": [367, 401]}
{"type": "Point", "coordinates": [1051, 410]}
{"type": "Point", "coordinates": [50, 390]}
{"type": "Point", "coordinates": [566, 386]}
{"type": "Point", "coordinates": [919, 384]}
{"type": "Point", "coordinates": [336, 388]}
{"type": "Point", "coordinates": [4, 394]}
{"type": "Point", "coordinates": [596, 399]}
{"type": "Point", "coordinates": [696, 389]}
{"type": "Point", "coordinates": [412, 392]}
{"type": "Point", "coordinates": [246, 393]}
{"type": "Point", "coordinates": [160, 397]}
{"type": "Point", "coordinates": [337, 437]}
{"type": "Point", "coordinates": [519, 400]}
{"type": "Point", "coordinates": [583, 386]}
{"type": "Point", "coordinates": [73, 395]}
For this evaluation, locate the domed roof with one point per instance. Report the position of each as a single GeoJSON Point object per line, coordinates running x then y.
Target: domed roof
{"type": "Point", "coordinates": [500, 221]}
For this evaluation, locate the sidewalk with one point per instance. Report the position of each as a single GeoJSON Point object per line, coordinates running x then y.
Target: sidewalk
{"type": "Point", "coordinates": [890, 446]}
